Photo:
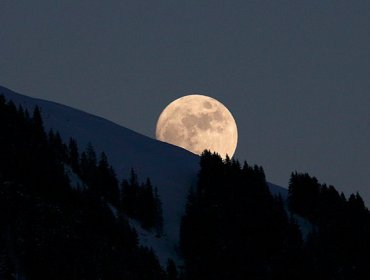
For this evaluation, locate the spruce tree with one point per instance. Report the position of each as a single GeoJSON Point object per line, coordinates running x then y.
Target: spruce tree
{"type": "Point", "coordinates": [158, 213]}
{"type": "Point", "coordinates": [172, 273]}
{"type": "Point", "coordinates": [74, 156]}
{"type": "Point", "coordinates": [146, 205]}
{"type": "Point", "coordinates": [129, 194]}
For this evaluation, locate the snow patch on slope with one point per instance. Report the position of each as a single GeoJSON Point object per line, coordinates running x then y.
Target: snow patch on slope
{"type": "Point", "coordinates": [162, 246]}
{"type": "Point", "coordinates": [74, 180]}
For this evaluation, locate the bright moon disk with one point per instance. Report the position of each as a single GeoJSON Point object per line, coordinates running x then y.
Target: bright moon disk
{"type": "Point", "coordinates": [196, 123]}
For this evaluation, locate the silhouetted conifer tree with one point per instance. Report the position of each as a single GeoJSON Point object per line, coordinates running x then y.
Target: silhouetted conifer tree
{"type": "Point", "coordinates": [129, 194]}
{"type": "Point", "coordinates": [74, 156]}
{"type": "Point", "coordinates": [172, 273]}
{"type": "Point", "coordinates": [38, 131]}
{"type": "Point", "coordinates": [158, 220]}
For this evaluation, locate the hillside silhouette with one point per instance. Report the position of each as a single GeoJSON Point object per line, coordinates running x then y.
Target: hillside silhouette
{"type": "Point", "coordinates": [66, 215]}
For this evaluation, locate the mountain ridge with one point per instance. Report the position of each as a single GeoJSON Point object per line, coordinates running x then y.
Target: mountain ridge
{"type": "Point", "coordinates": [171, 169]}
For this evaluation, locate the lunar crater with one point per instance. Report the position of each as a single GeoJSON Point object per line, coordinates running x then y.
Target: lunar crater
{"type": "Point", "coordinates": [207, 105]}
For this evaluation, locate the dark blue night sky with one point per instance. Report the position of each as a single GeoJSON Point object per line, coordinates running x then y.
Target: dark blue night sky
{"type": "Point", "coordinates": [295, 74]}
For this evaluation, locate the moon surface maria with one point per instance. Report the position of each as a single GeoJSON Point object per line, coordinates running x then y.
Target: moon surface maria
{"type": "Point", "coordinates": [196, 123]}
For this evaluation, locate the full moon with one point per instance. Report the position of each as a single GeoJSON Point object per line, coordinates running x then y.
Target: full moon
{"type": "Point", "coordinates": [196, 123]}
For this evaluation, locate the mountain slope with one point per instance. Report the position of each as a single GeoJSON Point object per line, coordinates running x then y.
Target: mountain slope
{"type": "Point", "coordinates": [125, 149]}
{"type": "Point", "coordinates": [172, 169]}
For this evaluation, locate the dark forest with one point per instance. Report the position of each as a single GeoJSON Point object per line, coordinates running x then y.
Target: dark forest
{"type": "Point", "coordinates": [233, 227]}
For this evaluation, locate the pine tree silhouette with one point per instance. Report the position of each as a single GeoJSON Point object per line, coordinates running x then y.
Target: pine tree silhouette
{"type": "Point", "coordinates": [49, 230]}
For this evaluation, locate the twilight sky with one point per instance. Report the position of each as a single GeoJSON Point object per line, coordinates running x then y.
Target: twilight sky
{"type": "Point", "coordinates": [294, 74]}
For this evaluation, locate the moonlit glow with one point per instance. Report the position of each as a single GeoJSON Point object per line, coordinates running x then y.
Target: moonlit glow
{"type": "Point", "coordinates": [197, 122]}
